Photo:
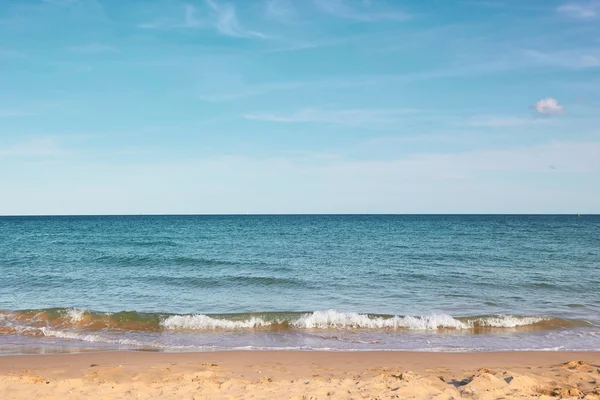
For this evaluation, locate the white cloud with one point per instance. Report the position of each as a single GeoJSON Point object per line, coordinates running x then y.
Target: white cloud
{"type": "Point", "coordinates": [583, 10]}
{"type": "Point", "coordinates": [548, 106]}
{"type": "Point", "coordinates": [226, 21]}
{"type": "Point", "coordinates": [92, 48]}
{"type": "Point", "coordinates": [342, 117]}
{"type": "Point", "coordinates": [340, 9]}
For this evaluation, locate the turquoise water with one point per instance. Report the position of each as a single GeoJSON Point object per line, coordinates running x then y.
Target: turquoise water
{"type": "Point", "coordinates": [384, 282]}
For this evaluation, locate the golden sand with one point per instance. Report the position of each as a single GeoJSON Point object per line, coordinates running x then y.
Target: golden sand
{"type": "Point", "coordinates": [301, 375]}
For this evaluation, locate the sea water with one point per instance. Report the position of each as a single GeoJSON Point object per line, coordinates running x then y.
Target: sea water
{"type": "Point", "coordinates": [302, 282]}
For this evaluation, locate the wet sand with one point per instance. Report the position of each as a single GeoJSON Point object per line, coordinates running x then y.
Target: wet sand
{"type": "Point", "coordinates": [301, 375]}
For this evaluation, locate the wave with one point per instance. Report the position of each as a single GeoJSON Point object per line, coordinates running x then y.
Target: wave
{"type": "Point", "coordinates": [205, 322]}
{"type": "Point", "coordinates": [202, 261]}
{"type": "Point", "coordinates": [96, 338]}
{"type": "Point", "coordinates": [337, 320]}
{"type": "Point", "coordinates": [348, 321]}
{"type": "Point", "coordinates": [223, 281]}
{"type": "Point", "coordinates": [70, 319]}
{"type": "Point", "coordinates": [132, 260]}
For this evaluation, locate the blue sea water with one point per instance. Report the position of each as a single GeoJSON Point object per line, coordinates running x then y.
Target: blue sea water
{"type": "Point", "coordinates": [329, 282]}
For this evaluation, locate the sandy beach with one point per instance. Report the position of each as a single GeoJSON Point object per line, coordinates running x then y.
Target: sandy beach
{"type": "Point", "coordinates": [301, 375]}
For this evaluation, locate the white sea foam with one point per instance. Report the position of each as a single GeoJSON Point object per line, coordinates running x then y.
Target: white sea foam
{"type": "Point", "coordinates": [92, 338]}
{"type": "Point", "coordinates": [333, 319]}
{"type": "Point", "coordinates": [204, 322]}
{"type": "Point", "coordinates": [75, 315]}
{"type": "Point", "coordinates": [506, 321]}
{"type": "Point", "coordinates": [337, 320]}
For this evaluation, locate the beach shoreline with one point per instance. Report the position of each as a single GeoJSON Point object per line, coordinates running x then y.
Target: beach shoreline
{"type": "Point", "coordinates": [301, 374]}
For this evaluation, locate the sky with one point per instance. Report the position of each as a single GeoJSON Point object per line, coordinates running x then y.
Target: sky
{"type": "Point", "coordinates": [299, 106]}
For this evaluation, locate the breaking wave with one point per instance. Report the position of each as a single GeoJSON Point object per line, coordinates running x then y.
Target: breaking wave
{"type": "Point", "coordinates": [205, 322]}
{"type": "Point", "coordinates": [90, 321]}
{"type": "Point", "coordinates": [338, 320]}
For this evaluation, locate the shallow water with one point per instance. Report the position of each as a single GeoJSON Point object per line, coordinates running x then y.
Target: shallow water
{"type": "Point", "coordinates": [388, 282]}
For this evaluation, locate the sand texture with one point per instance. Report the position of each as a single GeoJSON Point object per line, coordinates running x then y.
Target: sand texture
{"type": "Point", "coordinates": [301, 375]}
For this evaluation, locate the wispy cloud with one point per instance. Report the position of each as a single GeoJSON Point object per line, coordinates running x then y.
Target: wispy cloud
{"type": "Point", "coordinates": [158, 24]}
{"type": "Point", "coordinates": [223, 18]}
{"type": "Point", "coordinates": [226, 21]}
{"type": "Point", "coordinates": [364, 13]}
{"type": "Point", "coordinates": [548, 106]}
{"type": "Point", "coordinates": [442, 182]}
{"type": "Point", "coordinates": [92, 48]}
{"type": "Point", "coordinates": [365, 80]}
{"type": "Point", "coordinates": [361, 80]}
{"type": "Point", "coordinates": [582, 10]}
{"type": "Point", "coordinates": [190, 17]}
{"type": "Point", "coordinates": [36, 147]}
{"type": "Point", "coordinates": [250, 91]}
{"type": "Point", "coordinates": [92, 10]}
{"type": "Point", "coordinates": [188, 20]}
{"type": "Point", "coordinates": [342, 117]}
{"type": "Point", "coordinates": [61, 2]}
{"type": "Point", "coordinates": [307, 45]}
{"type": "Point", "coordinates": [279, 9]}
{"type": "Point", "coordinates": [489, 4]}
{"type": "Point", "coordinates": [578, 59]}
{"type": "Point", "coordinates": [495, 121]}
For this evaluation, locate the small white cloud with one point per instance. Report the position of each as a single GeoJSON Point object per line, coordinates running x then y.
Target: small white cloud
{"type": "Point", "coordinates": [548, 106]}
{"type": "Point", "coordinates": [92, 48]}
{"type": "Point", "coordinates": [226, 21]}
{"type": "Point", "coordinates": [583, 10]}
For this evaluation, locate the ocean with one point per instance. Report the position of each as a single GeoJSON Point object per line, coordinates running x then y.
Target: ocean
{"type": "Point", "coordinates": [299, 282]}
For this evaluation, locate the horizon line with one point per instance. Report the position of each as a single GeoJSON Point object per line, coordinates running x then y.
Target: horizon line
{"type": "Point", "coordinates": [292, 214]}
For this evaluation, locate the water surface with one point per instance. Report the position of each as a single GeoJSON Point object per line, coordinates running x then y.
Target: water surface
{"type": "Point", "coordinates": [360, 282]}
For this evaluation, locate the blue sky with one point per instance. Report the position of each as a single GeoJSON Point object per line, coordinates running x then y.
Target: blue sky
{"type": "Point", "coordinates": [299, 106]}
